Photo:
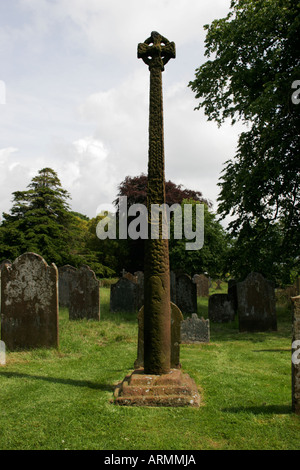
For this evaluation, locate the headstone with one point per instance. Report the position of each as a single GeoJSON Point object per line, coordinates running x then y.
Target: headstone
{"type": "Point", "coordinates": [296, 356]}
{"type": "Point", "coordinates": [139, 276]}
{"type": "Point", "coordinates": [232, 293]}
{"type": "Point", "coordinates": [176, 320]}
{"type": "Point", "coordinates": [186, 294]}
{"type": "Point", "coordinates": [123, 296]}
{"type": "Point", "coordinates": [84, 295]}
{"type": "Point", "coordinates": [202, 283]}
{"type": "Point", "coordinates": [65, 282]}
{"type": "Point", "coordinates": [256, 304]}
{"type": "Point", "coordinates": [29, 307]}
{"type": "Point", "coordinates": [195, 330]}
{"type": "Point", "coordinates": [220, 309]}
{"type": "Point", "coordinates": [173, 287]}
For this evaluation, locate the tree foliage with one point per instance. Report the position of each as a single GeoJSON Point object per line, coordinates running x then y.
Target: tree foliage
{"type": "Point", "coordinates": [255, 61]}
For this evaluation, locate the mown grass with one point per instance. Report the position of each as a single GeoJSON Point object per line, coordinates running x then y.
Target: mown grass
{"type": "Point", "coordinates": [61, 399]}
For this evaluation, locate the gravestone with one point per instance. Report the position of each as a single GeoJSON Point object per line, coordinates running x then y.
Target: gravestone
{"type": "Point", "coordinates": [232, 294]}
{"type": "Point", "coordinates": [186, 294]}
{"type": "Point", "coordinates": [195, 330]}
{"type": "Point", "coordinates": [139, 276]}
{"type": "Point", "coordinates": [220, 309]}
{"type": "Point", "coordinates": [176, 320]}
{"type": "Point", "coordinates": [123, 296]}
{"type": "Point", "coordinates": [256, 304]}
{"type": "Point", "coordinates": [202, 283]}
{"type": "Point", "coordinates": [65, 284]}
{"type": "Point", "coordinates": [173, 287]}
{"type": "Point", "coordinates": [84, 295]}
{"type": "Point", "coordinates": [29, 307]}
{"type": "Point", "coordinates": [296, 356]}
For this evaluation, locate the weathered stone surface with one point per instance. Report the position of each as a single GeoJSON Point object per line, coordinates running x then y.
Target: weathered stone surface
{"type": "Point", "coordinates": [195, 330]}
{"type": "Point", "coordinates": [186, 294]}
{"type": "Point", "coordinates": [232, 294]}
{"type": "Point", "coordinates": [256, 304]}
{"type": "Point", "coordinates": [296, 356]}
{"type": "Point", "coordinates": [65, 284]}
{"type": "Point", "coordinates": [84, 295]}
{"type": "Point", "coordinates": [220, 309]}
{"type": "Point", "coordinates": [139, 275]}
{"type": "Point", "coordinates": [29, 307]}
{"type": "Point", "coordinates": [176, 319]}
{"type": "Point", "coordinates": [173, 287]}
{"type": "Point", "coordinates": [123, 296]}
{"type": "Point", "coordinates": [202, 283]}
{"type": "Point", "coordinates": [171, 389]}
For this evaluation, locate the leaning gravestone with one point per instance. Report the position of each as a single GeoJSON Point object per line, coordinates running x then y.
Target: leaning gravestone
{"type": "Point", "coordinates": [296, 356]}
{"type": "Point", "coordinates": [186, 294]}
{"type": "Point", "coordinates": [220, 309]}
{"type": "Point", "coordinates": [29, 308]}
{"type": "Point", "coordinates": [202, 283]}
{"type": "Point", "coordinates": [84, 295]}
{"type": "Point", "coordinates": [65, 281]}
{"type": "Point", "coordinates": [195, 330]}
{"type": "Point", "coordinates": [123, 296]}
{"type": "Point", "coordinates": [256, 304]}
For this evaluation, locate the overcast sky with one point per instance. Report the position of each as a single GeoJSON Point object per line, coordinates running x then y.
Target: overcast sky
{"type": "Point", "coordinates": [77, 97]}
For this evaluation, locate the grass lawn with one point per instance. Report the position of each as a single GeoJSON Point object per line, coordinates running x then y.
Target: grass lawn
{"type": "Point", "coordinates": [60, 399]}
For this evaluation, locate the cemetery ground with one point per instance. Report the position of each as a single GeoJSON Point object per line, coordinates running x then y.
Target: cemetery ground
{"type": "Point", "coordinates": [61, 399]}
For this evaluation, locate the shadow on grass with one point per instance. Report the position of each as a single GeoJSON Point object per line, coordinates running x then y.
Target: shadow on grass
{"type": "Point", "coordinates": [261, 410]}
{"type": "Point", "coordinates": [75, 383]}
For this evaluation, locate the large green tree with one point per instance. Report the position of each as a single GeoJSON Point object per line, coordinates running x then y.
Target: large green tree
{"type": "Point", "coordinates": [39, 221]}
{"type": "Point", "coordinates": [254, 61]}
{"type": "Point", "coordinates": [210, 258]}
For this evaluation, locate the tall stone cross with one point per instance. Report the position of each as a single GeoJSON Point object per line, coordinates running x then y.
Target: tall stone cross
{"type": "Point", "coordinates": [156, 51]}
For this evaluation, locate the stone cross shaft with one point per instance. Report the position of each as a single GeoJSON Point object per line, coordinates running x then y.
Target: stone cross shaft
{"type": "Point", "coordinates": [156, 51]}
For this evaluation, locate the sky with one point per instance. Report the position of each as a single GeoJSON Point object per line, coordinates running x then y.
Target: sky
{"type": "Point", "coordinates": [75, 98]}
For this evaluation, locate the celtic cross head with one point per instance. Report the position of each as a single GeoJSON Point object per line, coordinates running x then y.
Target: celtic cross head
{"type": "Point", "coordinates": [156, 51]}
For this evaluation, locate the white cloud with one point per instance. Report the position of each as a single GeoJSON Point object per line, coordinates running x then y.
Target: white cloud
{"type": "Point", "coordinates": [77, 96]}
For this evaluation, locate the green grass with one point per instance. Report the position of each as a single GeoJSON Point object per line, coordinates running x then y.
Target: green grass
{"type": "Point", "coordinates": [61, 399]}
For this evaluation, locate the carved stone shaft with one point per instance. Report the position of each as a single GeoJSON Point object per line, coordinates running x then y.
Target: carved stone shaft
{"type": "Point", "coordinates": [156, 51]}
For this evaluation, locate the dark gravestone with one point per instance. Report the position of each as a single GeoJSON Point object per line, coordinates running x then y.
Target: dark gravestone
{"type": "Point", "coordinates": [202, 283]}
{"type": "Point", "coordinates": [139, 275]}
{"type": "Point", "coordinates": [232, 293]}
{"type": "Point", "coordinates": [173, 287]}
{"type": "Point", "coordinates": [186, 294]}
{"type": "Point", "coordinates": [123, 296]}
{"type": "Point", "coordinates": [65, 282]}
{"type": "Point", "coordinates": [195, 330]}
{"type": "Point", "coordinates": [84, 295]}
{"type": "Point", "coordinates": [256, 304]}
{"type": "Point", "coordinates": [176, 319]}
{"type": "Point", "coordinates": [29, 307]}
{"type": "Point", "coordinates": [220, 309]}
{"type": "Point", "coordinates": [296, 356]}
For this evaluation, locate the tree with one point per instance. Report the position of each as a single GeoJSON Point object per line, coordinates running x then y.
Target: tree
{"type": "Point", "coordinates": [39, 221]}
{"type": "Point", "coordinates": [250, 79]}
{"type": "Point", "coordinates": [210, 258]}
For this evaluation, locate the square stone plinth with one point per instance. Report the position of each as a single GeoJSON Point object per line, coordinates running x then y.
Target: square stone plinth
{"type": "Point", "coordinates": [172, 389]}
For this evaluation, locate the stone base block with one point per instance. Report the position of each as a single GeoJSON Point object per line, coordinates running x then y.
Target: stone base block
{"type": "Point", "coordinates": [172, 389]}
